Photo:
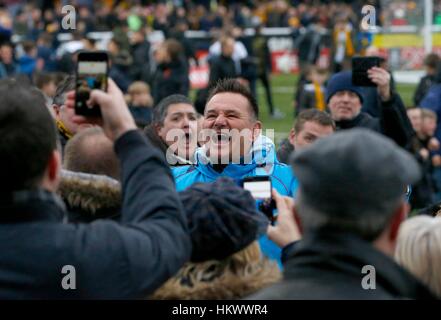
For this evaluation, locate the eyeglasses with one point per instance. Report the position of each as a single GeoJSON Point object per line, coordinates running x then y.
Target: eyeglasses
{"type": "Point", "coordinates": [408, 192]}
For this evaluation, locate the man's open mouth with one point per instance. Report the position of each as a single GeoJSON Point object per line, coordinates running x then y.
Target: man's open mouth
{"type": "Point", "coordinates": [221, 138]}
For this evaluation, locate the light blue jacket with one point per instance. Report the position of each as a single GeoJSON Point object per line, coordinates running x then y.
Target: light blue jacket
{"type": "Point", "coordinates": [263, 163]}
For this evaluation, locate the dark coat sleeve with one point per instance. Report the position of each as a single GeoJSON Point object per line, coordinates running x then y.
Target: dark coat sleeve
{"type": "Point", "coordinates": [394, 121]}
{"type": "Point", "coordinates": [133, 258]}
{"type": "Point", "coordinates": [422, 89]}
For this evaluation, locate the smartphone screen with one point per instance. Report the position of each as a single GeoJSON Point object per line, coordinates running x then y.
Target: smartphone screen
{"type": "Point", "coordinates": [258, 189]}
{"type": "Point", "coordinates": [360, 67]}
{"type": "Point", "coordinates": [92, 70]}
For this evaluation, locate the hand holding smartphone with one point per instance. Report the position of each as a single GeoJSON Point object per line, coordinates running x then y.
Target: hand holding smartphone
{"type": "Point", "coordinates": [91, 73]}
{"type": "Point", "coordinates": [260, 188]}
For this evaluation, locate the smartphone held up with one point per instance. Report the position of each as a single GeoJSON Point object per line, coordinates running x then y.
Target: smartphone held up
{"type": "Point", "coordinates": [260, 188]}
{"type": "Point", "coordinates": [91, 73]}
{"type": "Point", "coordinates": [360, 67]}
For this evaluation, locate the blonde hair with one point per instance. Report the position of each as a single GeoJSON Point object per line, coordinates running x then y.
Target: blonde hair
{"type": "Point", "coordinates": [419, 250]}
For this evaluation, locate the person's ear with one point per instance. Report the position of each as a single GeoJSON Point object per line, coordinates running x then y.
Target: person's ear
{"type": "Point", "coordinates": [157, 127]}
{"type": "Point", "coordinates": [398, 217]}
{"type": "Point", "coordinates": [56, 109]}
{"type": "Point", "coordinates": [297, 219]}
{"type": "Point", "coordinates": [53, 170]}
{"type": "Point", "coordinates": [257, 129]}
{"type": "Point", "coordinates": [292, 136]}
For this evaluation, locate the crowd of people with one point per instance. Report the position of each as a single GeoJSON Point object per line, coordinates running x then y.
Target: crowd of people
{"type": "Point", "coordinates": [148, 201]}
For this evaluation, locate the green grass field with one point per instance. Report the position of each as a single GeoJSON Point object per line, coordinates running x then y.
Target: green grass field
{"type": "Point", "coordinates": [283, 87]}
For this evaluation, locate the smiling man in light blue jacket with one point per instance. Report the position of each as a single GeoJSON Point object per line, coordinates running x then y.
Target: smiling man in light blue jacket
{"type": "Point", "coordinates": [236, 148]}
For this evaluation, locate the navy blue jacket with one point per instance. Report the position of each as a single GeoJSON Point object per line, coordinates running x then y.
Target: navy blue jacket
{"type": "Point", "coordinates": [112, 260]}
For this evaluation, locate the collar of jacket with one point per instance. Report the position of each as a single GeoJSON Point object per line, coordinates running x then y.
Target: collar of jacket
{"type": "Point", "coordinates": [349, 253]}
{"type": "Point", "coordinates": [63, 130]}
{"type": "Point", "coordinates": [262, 158]}
{"type": "Point", "coordinates": [349, 124]}
{"type": "Point", "coordinates": [93, 196]}
{"type": "Point", "coordinates": [31, 205]}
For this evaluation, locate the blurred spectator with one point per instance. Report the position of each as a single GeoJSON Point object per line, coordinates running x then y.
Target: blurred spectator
{"type": "Point", "coordinates": [239, 51]}
{"type": "Point", "coordinates": [262, 53]}
{"type": "Point", "coordinates": [223, 66]}
{"type": "Point", "coordinates": [431, 62]}
{"type": "Point", "coordinates": [171, 75]}
{"type": "Point", "coordinates": [140, 103]}
{"type": "Point", "coordinates": [174, 129]}
{"type": "Point", "coordinates": [345, 228]}
{"type": "Point", "coordinates": [89, 44]}
{"type": "Point", "coordinates": [46, 83]}
{"type": "Point", "coordinates": [27, 63]}
{"type": "Point", "coordinates": [46, 53]}
{"type": "Point", "coordinates": [418, 250]}
{"type": "Point", "coordinates": [313, 95]}
{"type": "Point", "coordinates": [178, 33]}
{"type": "Point", "coordinates": [309, 126]}
{"type": "Point", "coordinates": [423, 192]}
{"type": "Point", "coordinates": [141, 56]}
{"type": "Point", "coordinates": [303, 80]}
{"type": "Point", "coordinates": [8, 67]}
{"type": "Point", "coordinates": [209, 21]}
{"type": "Point", "coordinates": [120, 64]}
{"type": "Point", "coordinates": [343, 44]}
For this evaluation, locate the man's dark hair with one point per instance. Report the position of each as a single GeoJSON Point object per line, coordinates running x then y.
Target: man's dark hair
{"type": "Point", "coordinates": [161, 109]}
{"type": "Point", "coordinates": [28, 46]}
{"type": "Point", "coordinates": [41, 79]}
{"type": "Point", "coordinates": [28, 136]}
{"type": "Point", "coordinates": [90, 151]}
{"type": "Point", "coordinates": [313, 115]}
{"type": "Point", "coordinates": [66, 85]}
{"type": "Point", "coordinates": [432, 60]}
{"type": "Point", "coordinates": [174, 49]}
{"type": "Point", "coordinates": [234, 86]}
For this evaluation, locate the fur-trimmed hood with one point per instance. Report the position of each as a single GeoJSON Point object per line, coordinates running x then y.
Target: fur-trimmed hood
{"type": "Point", "coordinates": [89, 197]}
{"type": "Point", "coordinates": [238, 276]}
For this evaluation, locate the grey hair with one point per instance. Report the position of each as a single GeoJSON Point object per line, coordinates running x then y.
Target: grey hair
{"type": "Point", "coordinates": [419, 249]}
{"type": "Point", "coordinates": [365, 220]}
{"type": "Point", "coordinates": [161, 109]}
{"type": "Point", "coordinates": [66, 85]}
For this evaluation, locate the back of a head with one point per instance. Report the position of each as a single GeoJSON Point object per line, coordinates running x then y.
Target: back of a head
{"type": "Point", "coordinates": [90, 151]}
{"type": "Point", "coordinates": [352, 181]}
{"type": "Point", "coordinates": [28, 136]}
{"type": "Point", "coordinates": [42, 79]}
{"type": "Point", "coordinates": [419, 249]}
{"type": "Point", "coordinates": [432, 60]}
